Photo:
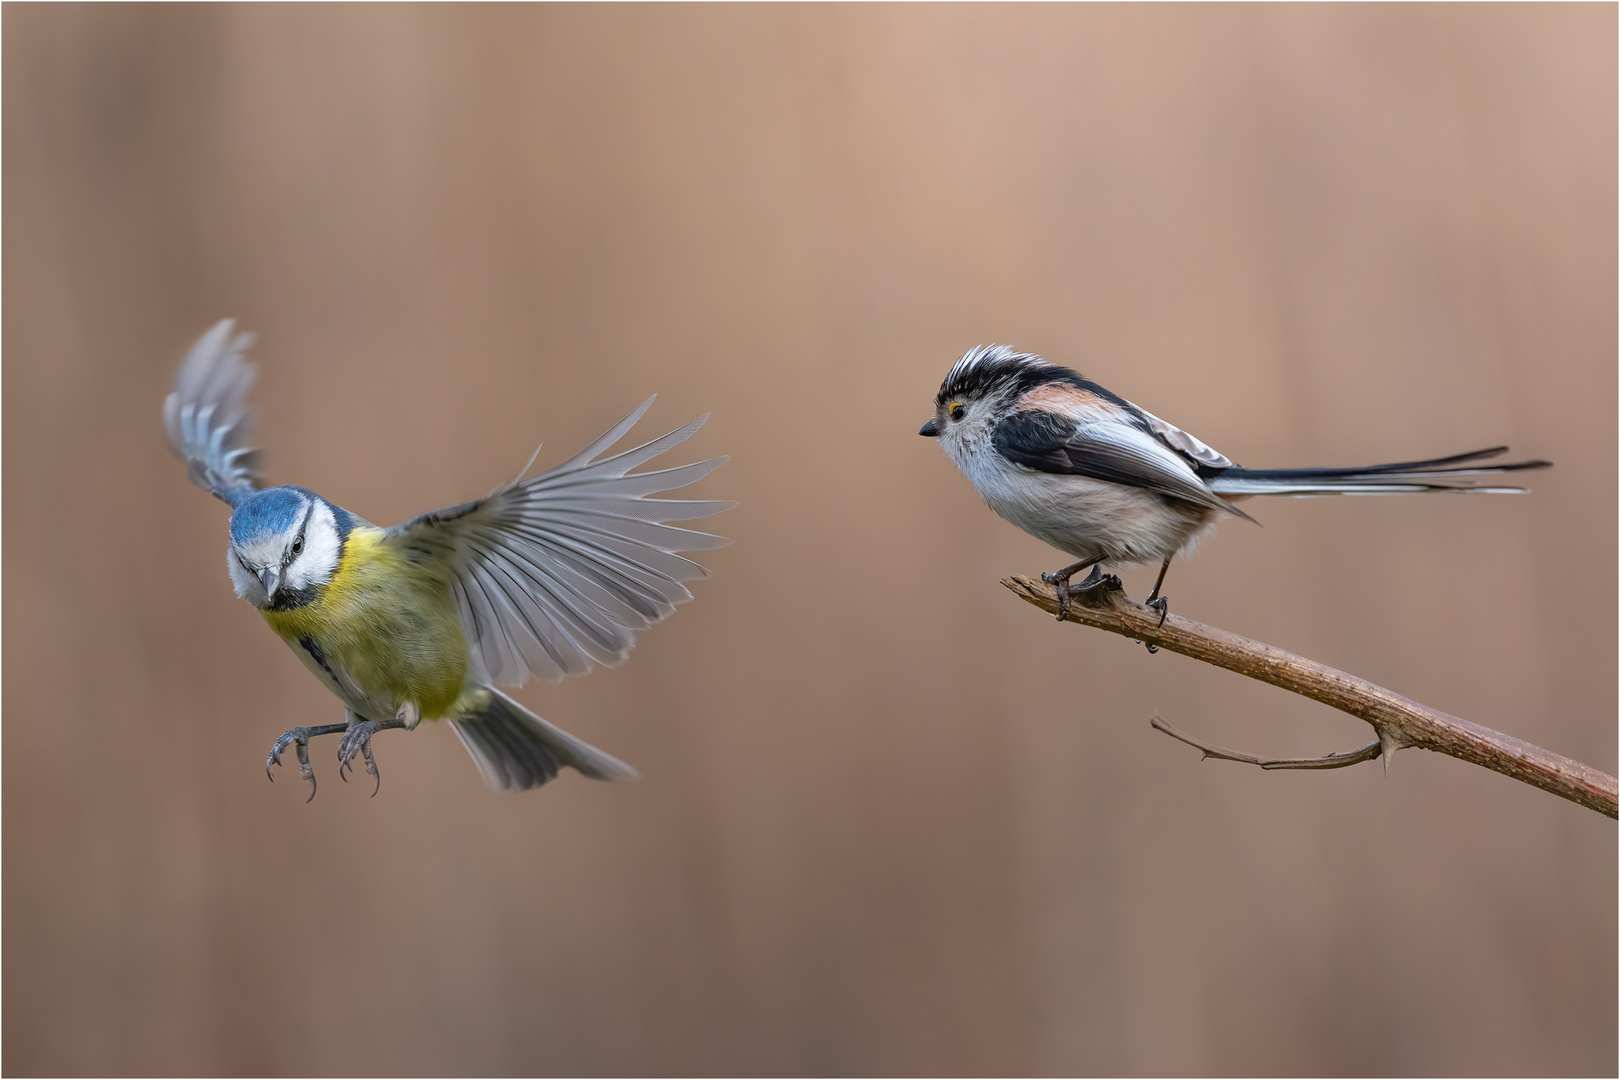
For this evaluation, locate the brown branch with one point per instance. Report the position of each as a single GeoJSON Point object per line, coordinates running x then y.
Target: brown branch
{"type": "Point", "coordinates": [1398, 721]}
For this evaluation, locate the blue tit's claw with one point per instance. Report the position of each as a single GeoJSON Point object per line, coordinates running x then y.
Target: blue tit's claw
{"type": "Point", "coordinates": [371, 767]}
{"type": "Point", "coordinates": [357, 742]}
{"type": "Point", "coordinates": [298, 738]}
{"type": "Point", "coordinates": [350, 745]}
{"type": "Point", "coordinates": [274, 759]}
{"type": "Point", "coordinates": [305, 772]}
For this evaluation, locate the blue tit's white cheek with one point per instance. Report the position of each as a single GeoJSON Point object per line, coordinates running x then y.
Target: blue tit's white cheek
{"type": "Point", "coordinates": [247, 585]}
{"type": "Point", "coordinates": [317, 562]}
{"type": "Point", "coordinates": [246, 558]}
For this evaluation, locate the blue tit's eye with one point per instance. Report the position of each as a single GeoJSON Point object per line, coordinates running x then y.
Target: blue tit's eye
{"type": "Point", "coordinates": [298, 545]}
{"type": "Point", "coordinates": [958, 411]}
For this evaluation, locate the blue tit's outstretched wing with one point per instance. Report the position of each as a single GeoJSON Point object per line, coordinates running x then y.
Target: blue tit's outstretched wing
{"type": "Point", "coordinates": [207, 418]}
{"type": "Point", "coordinates": [556, 573]}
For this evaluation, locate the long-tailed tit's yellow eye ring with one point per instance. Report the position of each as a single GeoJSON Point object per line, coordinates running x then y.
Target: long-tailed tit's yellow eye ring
{"type": "Point", "coordinates": [958, 411]}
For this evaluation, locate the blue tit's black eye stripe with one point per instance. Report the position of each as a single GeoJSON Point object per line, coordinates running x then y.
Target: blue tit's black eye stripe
{"type": "Point", "coordinates": [298, 542]}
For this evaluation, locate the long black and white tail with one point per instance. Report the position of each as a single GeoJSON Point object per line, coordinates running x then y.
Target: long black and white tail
{"type": "Point", "coordinates": [516, 750]}
{"type": "Point", "coordinates": [1460, 472]}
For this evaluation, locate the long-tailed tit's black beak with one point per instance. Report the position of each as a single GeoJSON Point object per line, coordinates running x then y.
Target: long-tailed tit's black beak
{"type": "Point", "coordinates": [930, 429]}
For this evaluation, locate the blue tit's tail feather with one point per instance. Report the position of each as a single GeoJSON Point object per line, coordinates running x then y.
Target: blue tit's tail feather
{"type": "Point", "coordinates": [516, 750]}
{"type": "Point", "coordinates": [1402, 478]}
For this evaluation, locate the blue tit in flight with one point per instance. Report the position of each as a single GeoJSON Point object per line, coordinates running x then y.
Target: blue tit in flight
{"type": "Point", "coordinates": [545, 577]}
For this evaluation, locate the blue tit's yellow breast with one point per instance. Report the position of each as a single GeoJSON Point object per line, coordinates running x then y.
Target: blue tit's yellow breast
{"type": "Point", "coordinates": [391, 624]}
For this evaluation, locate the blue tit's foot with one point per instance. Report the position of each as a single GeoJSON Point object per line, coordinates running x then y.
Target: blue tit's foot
{"type": "Point", "coordinates": [298, 738]}
{"type": "Point", "coordinates": [357, 740]}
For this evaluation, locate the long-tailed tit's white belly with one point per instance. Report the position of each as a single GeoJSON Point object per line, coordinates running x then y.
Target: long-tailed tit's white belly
{"type": "Point", "coordinates": [1084, 517]}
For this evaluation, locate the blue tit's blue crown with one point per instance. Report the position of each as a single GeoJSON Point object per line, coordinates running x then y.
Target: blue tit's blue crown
{"type": "Point", "coordinates": [270, 512]}
{"type": "Point", "coordinates": [277, 510]}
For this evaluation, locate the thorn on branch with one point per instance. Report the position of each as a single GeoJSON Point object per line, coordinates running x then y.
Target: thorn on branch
{"type": "Point", "coordinates": [1332, 761]}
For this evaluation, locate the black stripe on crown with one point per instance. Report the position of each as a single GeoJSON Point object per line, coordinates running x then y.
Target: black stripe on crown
{"type": "Point", "coordinates": [999, 370]}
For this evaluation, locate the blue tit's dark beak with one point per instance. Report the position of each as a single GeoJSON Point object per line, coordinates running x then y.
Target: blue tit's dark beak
{"type": "Point", "coordinates": [270, 578]}
{"type": "Point", "coordinates": [930, 429]}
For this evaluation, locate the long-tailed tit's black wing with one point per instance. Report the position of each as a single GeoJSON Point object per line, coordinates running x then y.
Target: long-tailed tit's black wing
{"type": "Point", "coordinates": [1108, 449]}
{"type": "Point", "coordinates": [556, 573]}
{"type": "Point", "coordinates": [207, 418]}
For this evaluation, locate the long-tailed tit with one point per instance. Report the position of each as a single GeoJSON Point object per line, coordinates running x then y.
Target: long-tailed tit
{"type": "Point", "coordinates": [1107, 482]}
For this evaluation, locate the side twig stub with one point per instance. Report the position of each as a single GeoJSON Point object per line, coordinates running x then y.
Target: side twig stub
{"type": "Point", "coordinates": [1372, 750]}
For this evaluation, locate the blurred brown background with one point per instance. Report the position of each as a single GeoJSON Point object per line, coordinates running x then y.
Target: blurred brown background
{"type": "Point", "coordinates": [893, 820]}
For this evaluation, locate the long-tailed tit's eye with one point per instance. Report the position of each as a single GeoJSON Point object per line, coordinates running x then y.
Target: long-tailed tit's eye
{"type": "Point", "coordinates": [958, 411]}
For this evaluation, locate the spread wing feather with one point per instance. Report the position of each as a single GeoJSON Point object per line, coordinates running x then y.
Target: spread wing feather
{"type": "Point", "coordinates": [554, 574]}
{"type": "Point", "coordinates": [207, 418]}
